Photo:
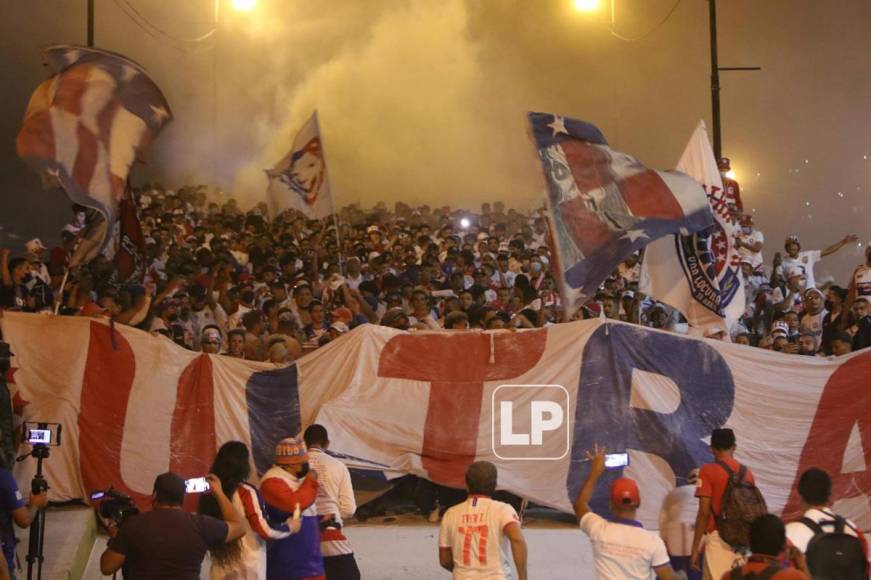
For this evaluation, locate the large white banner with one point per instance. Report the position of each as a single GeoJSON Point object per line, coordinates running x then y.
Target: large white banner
{"type": "Point", "coordinates": [700, 274]}
{"type": "Point", "coordinates": [134, 405]}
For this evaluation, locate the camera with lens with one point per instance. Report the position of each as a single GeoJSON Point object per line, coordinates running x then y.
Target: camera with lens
{"type": "Point", "coordinates": [114, 505]}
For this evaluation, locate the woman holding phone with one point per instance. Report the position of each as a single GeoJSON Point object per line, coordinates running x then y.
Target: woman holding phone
{"type": "Point", "coordinates": [245, 558]}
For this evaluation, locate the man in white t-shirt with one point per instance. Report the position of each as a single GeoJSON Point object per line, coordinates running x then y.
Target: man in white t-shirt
{"type": "Point", "coordinates": [805, 260]}
{"type": "Point", "coordinates": [815, 490]}
{"type": "Point", "coordinates": [860, 281]}
{"type": "Point", "coordinates": [749, 242]}
{"type": "Point", "coordinates": [475, 535]}
{"type": "Point", "coordinates": [622, 548]}
{"type": "Point", "coordinates": [335, 501]}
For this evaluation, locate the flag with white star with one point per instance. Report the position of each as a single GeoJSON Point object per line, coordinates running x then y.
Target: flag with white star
{"type": "Point", "coordinates": [604, 205]}
{"type": "Point", "coordinates": [89, 122]}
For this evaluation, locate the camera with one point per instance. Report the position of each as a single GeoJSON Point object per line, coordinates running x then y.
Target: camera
{"type": "Point", "coordinates": [113, 505]}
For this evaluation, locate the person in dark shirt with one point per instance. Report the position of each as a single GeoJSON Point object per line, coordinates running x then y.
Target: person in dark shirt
{"type": "Point", "coordinates": [168, 542]}
{"type": "Point", "coordinates": [12, 274]}
{"type": "Point", "coordinates": [13, 508]}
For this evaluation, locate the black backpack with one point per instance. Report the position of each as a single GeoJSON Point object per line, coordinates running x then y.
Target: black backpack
{"type": "Point", "coordinates": [834, 555]}
{"type": "Point", "coordinates": [742, 503]}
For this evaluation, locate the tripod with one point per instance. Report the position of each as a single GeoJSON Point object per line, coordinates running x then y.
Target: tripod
{"type": "Point", "coordinates": [37, 526]}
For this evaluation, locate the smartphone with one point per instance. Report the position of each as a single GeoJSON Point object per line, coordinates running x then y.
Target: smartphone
{"type": "Point", "coordinates": [196, 485]}
{"type": "Point", "coordinates": [615, 460]}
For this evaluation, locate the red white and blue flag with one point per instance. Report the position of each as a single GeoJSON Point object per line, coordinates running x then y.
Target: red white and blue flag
{"type": "Point", "coordinates": [89, 122]}
{"type": "Point", "coordinates": [604, 204]}
{"type": "Point", "coordinates": [135, 405]}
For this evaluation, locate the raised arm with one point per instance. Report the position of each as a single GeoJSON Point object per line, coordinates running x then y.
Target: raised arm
{"type": "Point", "coordinates": [276, 493]}
{"type": "Point", "coordinates": [838, 245]}
{"type": "Point", "coordinates": [235, 529]}
{"type": "Point", "coordinates": [597, 468]}
{"type": "Point", "coordinates": [254, 515]}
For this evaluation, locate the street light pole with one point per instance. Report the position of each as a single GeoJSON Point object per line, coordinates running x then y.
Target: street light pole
{"type": "Point", "coordinates": [91, 23]}
{"type": "Point", "coordinates": [715, 80]}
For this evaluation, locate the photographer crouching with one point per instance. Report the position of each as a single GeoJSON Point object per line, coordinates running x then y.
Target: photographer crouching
{"type": "Point", "coordinates": [168, 542]}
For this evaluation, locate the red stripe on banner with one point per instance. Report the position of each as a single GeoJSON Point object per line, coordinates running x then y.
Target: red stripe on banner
{"type": "Point", "coordinates": [36, 138]}
{"type": "Point", "coordinates": [838, 412]}
{"type": "Point", "coordinates": [647, 195]}
{"type": "Point", "coordinates": [109, 370]}
{"type": "Point", "coordinates": [71, 89]}
{"type": "Point", "coordinates": [590, 165]}
{"type": "Point", "coordinates": [585, 227]}
{"type": "Point", "coordinates": [192, 433]}
{"type": "Point", "coordinates": [456, 390]}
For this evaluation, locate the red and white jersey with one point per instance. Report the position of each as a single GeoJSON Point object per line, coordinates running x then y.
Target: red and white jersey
{"type": "Point", "coordinates": [861, 281]}
{"type": "Point", "coordinates": [475, 532]}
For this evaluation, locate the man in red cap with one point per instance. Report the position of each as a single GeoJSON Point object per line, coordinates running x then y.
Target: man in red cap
{"type": "Point", "coordinates": [731, 189]}
{"type": "Point", "coordinates": [622, 548]}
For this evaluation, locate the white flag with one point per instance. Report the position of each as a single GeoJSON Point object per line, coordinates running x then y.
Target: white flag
{"type": "Point", "coordinates": [700, 275]}
{"type": "Point", "coordinates": [299, 181]}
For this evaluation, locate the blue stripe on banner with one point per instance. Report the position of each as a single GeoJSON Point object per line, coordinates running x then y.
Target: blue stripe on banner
{"type": "Point", "coordinates": [273, 411]}
{"type": "Point", "coordinates": [605, 414]}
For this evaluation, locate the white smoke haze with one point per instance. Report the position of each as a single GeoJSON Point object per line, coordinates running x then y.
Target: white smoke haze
{"type": "Point", "coordinates": [408, 110]}
{"type": "Point", "coordinates": [424, 100]}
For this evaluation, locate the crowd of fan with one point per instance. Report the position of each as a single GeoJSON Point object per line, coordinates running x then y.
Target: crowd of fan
{"type": "Point", "coordinates": [221, 280]}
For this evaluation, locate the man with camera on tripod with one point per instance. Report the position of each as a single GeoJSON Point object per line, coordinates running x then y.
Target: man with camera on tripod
{"type": "Point", "coordinates": [168, 542]}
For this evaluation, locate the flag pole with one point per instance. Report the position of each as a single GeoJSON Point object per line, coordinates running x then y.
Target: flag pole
{"type": "Point", "coordinates": [332, 202]}
{"type": "Point", "coordinates": [60, 294]}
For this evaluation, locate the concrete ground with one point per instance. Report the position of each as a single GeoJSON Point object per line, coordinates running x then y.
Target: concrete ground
{"type": "Point", "coordinates": [405, 548]}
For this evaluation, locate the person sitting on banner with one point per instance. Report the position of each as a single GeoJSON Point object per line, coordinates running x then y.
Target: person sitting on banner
{"type": "Point", "coordinates": [335, 502]}
{"type": "Point", "coordinates": [622, 548]}
{"type": "Point", "coordinates": [767, 544]}
{"type": "Point", "coordinates": [168, 542]}
{"type": "Point", "coordinates": [475, 535]}
{"type": "Point", "coordinates": [245, 558]}
{"type": "Point", "coordinates": [288, 487]}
